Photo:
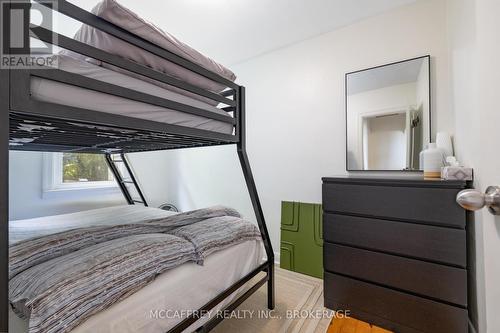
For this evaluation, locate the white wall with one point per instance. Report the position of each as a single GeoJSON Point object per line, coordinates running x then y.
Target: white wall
{"type": "Point", "coordinates": [475, 71]}
{"type": "Point", "coordinates": [464, 92]}
{"type": "Point", "coordinates": [295, 105]}
{"type": "Point", "coordinates": [201, 177]}
{"type": "Point", "coordinates": [26, 186]}
{"type": "Point", "coordinates": [152, 171]}
{"type": "Point", "coordinates": [26, 191]}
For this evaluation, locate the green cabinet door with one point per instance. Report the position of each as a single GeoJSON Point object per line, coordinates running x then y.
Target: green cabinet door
{"type": "Point", "coordinates": [301, 247]}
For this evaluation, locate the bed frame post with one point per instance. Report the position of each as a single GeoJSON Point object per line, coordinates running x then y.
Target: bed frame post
{"type": "Point", "coordinates": [4, 195]}
{"type": "Point", "coordinates": [252, 189]}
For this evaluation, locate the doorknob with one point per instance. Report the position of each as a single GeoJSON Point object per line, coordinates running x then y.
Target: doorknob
{"type": "Point", "coordinates": [474, 199]}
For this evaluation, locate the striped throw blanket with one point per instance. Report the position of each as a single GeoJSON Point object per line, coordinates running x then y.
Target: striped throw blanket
{"type": "Point", "coordinates": [58, 281]}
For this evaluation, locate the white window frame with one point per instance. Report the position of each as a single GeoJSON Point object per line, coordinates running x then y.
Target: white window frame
{"type": "Point", "coordinates": [54, 186]}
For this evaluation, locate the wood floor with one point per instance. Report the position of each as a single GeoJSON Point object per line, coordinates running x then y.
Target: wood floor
{"type": "Point", "coordinates": [351, 325]}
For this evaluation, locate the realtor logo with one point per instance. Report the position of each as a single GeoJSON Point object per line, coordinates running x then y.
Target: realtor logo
{"type": "Point", "coordinates": [21, 44]}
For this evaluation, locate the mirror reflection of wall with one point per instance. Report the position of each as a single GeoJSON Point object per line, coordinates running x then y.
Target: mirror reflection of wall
{"type": "Point", "coordinates": [388, 116]}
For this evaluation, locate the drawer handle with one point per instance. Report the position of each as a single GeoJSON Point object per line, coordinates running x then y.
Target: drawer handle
{"type": "Point", "coordinates": [474, 199]}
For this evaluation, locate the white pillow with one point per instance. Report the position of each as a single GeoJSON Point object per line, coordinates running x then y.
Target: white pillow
{"type": "Point", "coordinates": [113, 12]}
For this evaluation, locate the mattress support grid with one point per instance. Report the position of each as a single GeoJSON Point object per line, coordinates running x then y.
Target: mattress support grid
{"type": "Point", "coordinates": [60, 135]}
{"type": "Point", "coordinates": [40, 126]}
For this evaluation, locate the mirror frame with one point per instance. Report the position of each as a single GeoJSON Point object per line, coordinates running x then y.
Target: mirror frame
{"type": "Point", "coordinates": [345, 103]}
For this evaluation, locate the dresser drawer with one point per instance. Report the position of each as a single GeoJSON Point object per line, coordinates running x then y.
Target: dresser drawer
{"type": "Point", "coordinates": [419, 314]}
{"type": "Point", "coordinates": [436, 281]}
{"type": "Point", "coordinates": [441, 245]}
{"type": "Point", "coordinates": [416, 204]}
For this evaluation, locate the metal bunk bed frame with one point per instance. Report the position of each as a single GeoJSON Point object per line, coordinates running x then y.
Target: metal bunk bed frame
{"type": "Point", "coordinates": [69, 129]}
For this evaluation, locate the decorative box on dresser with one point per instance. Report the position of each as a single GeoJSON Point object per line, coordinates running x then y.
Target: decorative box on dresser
{"type": "Point", "coordinates": [395, 252]}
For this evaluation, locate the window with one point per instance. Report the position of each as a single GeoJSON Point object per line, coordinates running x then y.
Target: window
{"type": "Point", "coordinates": [74, 171]}
{"type": "Point", "coordinates": [84, 169]}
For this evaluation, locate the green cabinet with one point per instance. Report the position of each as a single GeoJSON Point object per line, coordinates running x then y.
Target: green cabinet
{"type": "Point", "coordinates": [301, 248]}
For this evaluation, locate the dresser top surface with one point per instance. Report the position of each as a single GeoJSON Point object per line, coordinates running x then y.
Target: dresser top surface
{"type": "Point", "coordinates": [411, 181]}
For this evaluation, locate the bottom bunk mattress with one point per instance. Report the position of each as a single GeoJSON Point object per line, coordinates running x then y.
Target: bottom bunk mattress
{"type": "Point", "coordinates": [60, 93]}
{"type": "Point", "coordinates": [167, 300]}
{"type": "Point", "coordinates": [40, 226]}
{"type": "Point", "coordinates": [160, 305]}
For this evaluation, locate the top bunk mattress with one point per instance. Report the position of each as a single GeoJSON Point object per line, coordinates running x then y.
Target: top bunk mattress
{"type": "Point", "coordinates": [60, 93]}
{"type": "Point", "coordinates": [119, 15]}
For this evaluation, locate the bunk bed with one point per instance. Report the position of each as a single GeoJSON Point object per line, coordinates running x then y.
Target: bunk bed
{"type": "Point", "coordinates": [184, 116]}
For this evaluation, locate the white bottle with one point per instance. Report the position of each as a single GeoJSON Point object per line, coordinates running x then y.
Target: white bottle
{"type": "Point", "coordinates": [433, 161]}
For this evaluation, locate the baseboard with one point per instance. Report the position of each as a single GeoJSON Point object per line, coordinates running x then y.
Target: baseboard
{"type": "Point", "coordinates": [276, 258]}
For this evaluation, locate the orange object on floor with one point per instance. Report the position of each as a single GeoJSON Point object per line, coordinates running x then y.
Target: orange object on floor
{"type": "Point", "coordinates": [351, 325]}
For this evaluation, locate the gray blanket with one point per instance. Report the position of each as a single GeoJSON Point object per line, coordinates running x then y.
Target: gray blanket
{"type": "Point", "coordinates": [215, 234]}
{"type": "Point", "coordinates": [58, 281]}
{"type": "Point", "coordinates": [27, 253]}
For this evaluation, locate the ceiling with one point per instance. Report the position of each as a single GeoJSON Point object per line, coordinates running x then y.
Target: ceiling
{"type": "Point", "coordinates": [232, 31]}
{"type": "Point", "coordinates": [385, 76]}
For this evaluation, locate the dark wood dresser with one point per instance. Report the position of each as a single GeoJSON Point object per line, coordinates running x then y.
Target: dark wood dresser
{"type": "Point", "coordinates": [395, 252]}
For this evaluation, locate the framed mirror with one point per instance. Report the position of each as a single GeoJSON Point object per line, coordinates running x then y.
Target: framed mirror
{"type": "Point", "coordinates": [388, 116]}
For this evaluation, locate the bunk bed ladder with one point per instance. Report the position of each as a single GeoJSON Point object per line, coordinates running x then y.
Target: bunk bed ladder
{"type": "Point", "coordinates": [126, 179]}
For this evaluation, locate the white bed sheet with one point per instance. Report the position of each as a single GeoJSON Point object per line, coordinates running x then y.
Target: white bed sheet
{"type": "Point", "coordinates": [187, 287]}
{"type": "Point", "coordinates": [55, 92]}
{"type": "Point", "coordinates": [40, 226]}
